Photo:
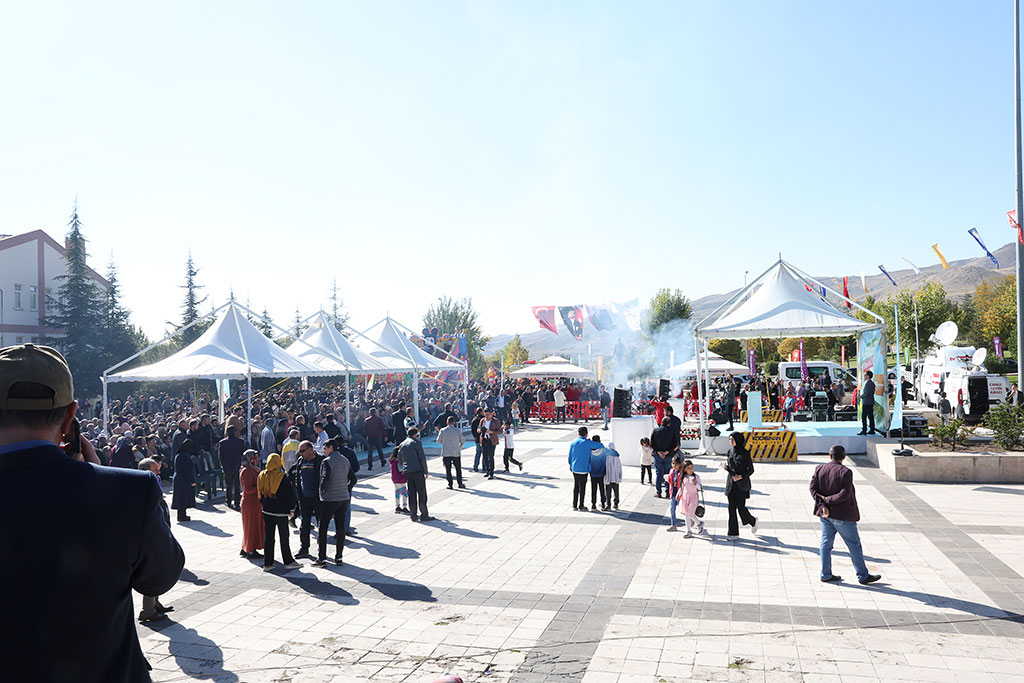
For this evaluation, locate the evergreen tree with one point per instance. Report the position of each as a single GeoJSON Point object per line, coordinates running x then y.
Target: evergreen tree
{"type": "Point", "coordinates": [338, 313]}
{"type": "Point", "coordinates": [299, 327]}
{"type": "Point", "coordinates": [79, 313]}
{"type": "Point", "coordinates": [452, 317]}
{"type": "Point", "coordinates": [667, 305]}
{"type": "Point", "coordinates": [263, 324]}
{"type": "Point", "coordinates": [120, 338]}
{"type": "Point", "coordinates": [190, 306]}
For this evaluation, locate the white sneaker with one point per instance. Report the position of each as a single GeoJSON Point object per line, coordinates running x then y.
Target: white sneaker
{"type": "Point", "coordinates": [687, 535]}
{"type": "Point", "coordinates": [753, 527]}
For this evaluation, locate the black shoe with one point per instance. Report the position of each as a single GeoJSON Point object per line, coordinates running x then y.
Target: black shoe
{"type": "Point", "coordinates": [398, 510]}
{"type": "Point", "coordinates": [870, 578]}
{"type": "Point", "coordinates": [593, 508]}
{"type": "Point", "coordinates": [351, 532]}
{"type": "Point", "coordinates": [405, 511]}
{"type": "Point", "coordinates": [462, 486]}
{"type": "Point", "coordinates": [862, 433]}
{"type": "Point", "coordinates": [427, 519]}
{"type": "Point", "coordinates": [575, 508]}
{"type": "Point", "coordinates": [302, 554]}
{"type": "Point", "coordinates": [449, 486]}
{"type": "Point", "coordinates": [319, 562]}
{"type": "Point", "coordinates": [832, 579]}
{"type": "Point", "coordinates": [415, 519]}
{"type": "Point", "coordinates": [242, 553]}
{"type": "Point", "coordinates": [338, 561]}
{"type": "Point", "coordinates": [520, 466]}
{"type": "Point", "coordinates": [155, 616]}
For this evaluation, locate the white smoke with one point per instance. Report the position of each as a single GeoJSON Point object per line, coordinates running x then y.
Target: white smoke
{"type": "Point", "coordinates": [671, 344]}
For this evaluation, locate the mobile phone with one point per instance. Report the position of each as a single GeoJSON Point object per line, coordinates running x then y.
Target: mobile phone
{"type": "Point", "coordinates": [73, 438]}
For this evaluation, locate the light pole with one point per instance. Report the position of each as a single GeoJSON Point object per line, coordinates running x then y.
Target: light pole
{"type": "Point", "coordinates": [2, 345]}
{"type": "Point", "coordinates": [1020, 189]}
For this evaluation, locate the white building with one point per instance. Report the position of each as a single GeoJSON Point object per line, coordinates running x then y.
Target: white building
{"type": "Point", "coordinates": [29, 266]}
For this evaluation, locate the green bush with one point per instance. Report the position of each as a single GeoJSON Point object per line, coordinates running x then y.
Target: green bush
{"type": "Point", "coordinates": [954, 433]}
{"type": "Point", "coordinates": [772, 368]}
{"type": "Point", "coordinates": [1007, 423]}
{"type": "Point", "coordinates": [1000, 366]}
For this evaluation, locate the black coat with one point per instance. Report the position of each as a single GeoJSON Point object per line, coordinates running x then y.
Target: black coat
{"type": "Point", "coordinates": [184, 496]}
{"type": "Point", "coordinates": [231, 449]}
{"type": "Point", "coordinates": [739, 462]}
{"type": "Point", "coordinates": [97, 533]}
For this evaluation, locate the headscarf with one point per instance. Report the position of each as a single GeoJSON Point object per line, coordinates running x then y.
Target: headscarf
{"type": "Point", "coordinates": [249, 460]}
{"type": "Point", "coordinates": [271, 477]}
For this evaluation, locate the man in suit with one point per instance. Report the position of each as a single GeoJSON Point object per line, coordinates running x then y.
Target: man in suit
{"type": "Point", "coordinates": [835, 503]}
{"type": "Point", "coordinates": [231, 448]}
{"type": "Point", "coordinates": [106, 535]}
{"type": "Point", "coordinates": [867, 405]}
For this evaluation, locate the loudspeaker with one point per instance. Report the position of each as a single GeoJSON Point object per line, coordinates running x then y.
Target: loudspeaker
{"type": "Point", "coordinates": [623, 401]}
{"type": "Point", "coordinates": [664, 389]}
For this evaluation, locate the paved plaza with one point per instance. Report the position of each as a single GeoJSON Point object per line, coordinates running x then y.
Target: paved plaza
{"type": "Point", "coordinates": [511, 584]}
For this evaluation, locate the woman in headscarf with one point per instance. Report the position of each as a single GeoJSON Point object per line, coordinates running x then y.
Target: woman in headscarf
{"type": "Point", "coordinates": [184, 482]}
{"type": "Point", "coordinates": [278, 499]}
{"type": "Point", "coordinates": [252, 512]}
{"type": "Point", "coordinates": [737, 484]}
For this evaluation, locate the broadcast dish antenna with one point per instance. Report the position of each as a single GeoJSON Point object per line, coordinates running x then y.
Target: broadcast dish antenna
{"type": "Point", "coordinates": [946, 334]}
{"type": "Point", "coordinates": [978, 359]}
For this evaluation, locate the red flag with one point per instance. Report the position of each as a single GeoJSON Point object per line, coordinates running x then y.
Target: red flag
{"type": "Point", "coordinates": [1012, 216]}
{"type": "Point", "coordinates": [846, 291]}
{"type": "Point", "coordinates": [808, 288]}
{"type": "Point", "coordinates": [572, 316]}
{"type": "Point", "coordinates": [546, 317]}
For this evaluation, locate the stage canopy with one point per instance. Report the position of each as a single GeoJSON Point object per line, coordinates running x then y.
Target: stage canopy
{"type": "Point", "coordinates": [324, 346]}
{"type": "Point", "coordinates": [715, 365]}
{"type": "Point", "coordinates": [553, 366]}
{"type": "Point", "coordinates": [386, 343]}
{"type": "Point", "coordinates": [777, 304]}
{"type": "Point", "coordinates": [230, 349]}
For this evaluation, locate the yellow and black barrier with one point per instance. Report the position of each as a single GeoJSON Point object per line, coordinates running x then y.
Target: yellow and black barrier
{"type": "Point", "coordinates": [771, 444]}
{"type": "Point", "coordinates": [766, 416]}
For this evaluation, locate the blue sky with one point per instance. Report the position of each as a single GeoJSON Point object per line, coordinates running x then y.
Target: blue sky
{"type": "Point", "coordinates": [520, 153]}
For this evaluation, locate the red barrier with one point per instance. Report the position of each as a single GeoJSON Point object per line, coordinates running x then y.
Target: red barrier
{"type": "Point", "coordinates": [574, 410]}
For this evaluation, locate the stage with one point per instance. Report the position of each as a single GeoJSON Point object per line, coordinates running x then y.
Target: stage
{"type": "Point", "coordinates": [811, 437]}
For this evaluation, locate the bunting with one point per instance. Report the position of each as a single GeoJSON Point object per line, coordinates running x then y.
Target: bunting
{"type": "Point", "coordinates": [1012, 216]}
{"type": "Point", "coordinates": [600, 317]}
{"type": "Point", "coordinates": [945, 264]}
{"type": "Point", "coordinates": [546, 317]}
{"type": "Point", "coordinates": [863, 282]}
{"type": "Point", "coordinates": [846, 291]}
{"type": "Point", "coordinates": [973, 232]}
{"type": "Point", "coordinates": [917, 271]}
{"type": "Point", "coordinates": [886, 273]}
{"type": "Point", "coordinates": [572, 316]}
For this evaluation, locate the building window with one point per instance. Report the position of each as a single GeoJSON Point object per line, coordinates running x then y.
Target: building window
{"type": "Point", "coordinates": [33, 297]}
{"type": "Point", "coordinates": [17, 298]}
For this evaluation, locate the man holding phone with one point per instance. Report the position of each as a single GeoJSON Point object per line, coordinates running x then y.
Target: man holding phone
{"type": "Point", "coordinates": [105, 535]}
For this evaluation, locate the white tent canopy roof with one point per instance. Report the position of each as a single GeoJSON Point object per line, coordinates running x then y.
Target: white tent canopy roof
{"type": "Point", "coordinates": [715, 365]}
{"type": "Point", "coordinates": [327, 348]}
{"type": "Point", "coordinates": [554, 366]}
{"type": "Point", "coordinates": [230, 349]}
{"type": "Point", "coordinates": [388, 345]}
{"type": "Point", "coordinates": [777, 304]}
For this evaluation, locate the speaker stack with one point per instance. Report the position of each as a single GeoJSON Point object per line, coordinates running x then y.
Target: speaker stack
{"type": "Point", "coordinates": [623, 402]}
{"type": "Point", "coordinates": [664, 389]}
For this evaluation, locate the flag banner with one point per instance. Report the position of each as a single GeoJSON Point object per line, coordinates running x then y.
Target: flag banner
{"type": "Point", "coordinates": [572, 316]}
{"type": "Point", "coordinates": [805, 374]}
{"type": "Point", "coordinates": [917, 271]}
{"type": "Point", "coordinates": [842, 355]}
{"type": "Point", "coordinates": [630, 312]}
{"type": "Point", "coordinates": [600, 317]}
{"type": "Point", "coordinates": [823, 295]}
{"type": "Point", "coordinates": [945, 263]}
{"type": "Point", "coordinates": [808, 288]}
{"type": "Point", "coordinates": [886, 273]}
{"type": "Point", "coordinates": [897, 404]}
{"type": "Point", "coordinates": [369, 385]}
{"type": "Point", "coordinates": [973, 232]}
{"type": "Point", "coordinates": [546, 317]}
{"type": "Point", "coordinates": [846, 291]}
{"type": "Point", "coordinates": [1012, 215]}
{"type": "Point", "coordinates": [863, 282]}
{"type": "Point", "coordinates": [997, 344]}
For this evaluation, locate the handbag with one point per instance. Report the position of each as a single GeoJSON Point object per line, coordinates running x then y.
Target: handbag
{"type": "Point", "coordinates": [699, 511]}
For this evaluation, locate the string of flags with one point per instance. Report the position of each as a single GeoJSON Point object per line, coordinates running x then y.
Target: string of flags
{"type": "Point", "coordinates": [599, 315]}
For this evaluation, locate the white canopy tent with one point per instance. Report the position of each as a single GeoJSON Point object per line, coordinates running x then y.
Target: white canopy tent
{"type": "Point", "coordinates": [716, 366]}
{"type": "Point", "coordinates": [553, 366]}
{"type": "Point", "coordinates": [231, 348]}
{"type": "Point", "coordinates": [777, 304]}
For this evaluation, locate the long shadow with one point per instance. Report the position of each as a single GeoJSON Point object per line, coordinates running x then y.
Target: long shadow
{"type": "Point", "coordinates": [519, 479]}
{"type": "Point", "coordinates": [369, 511]}
{"type": "Point", "coordinates": [490, 494]}
{"type": "Point", "coordinates": [384, 549]}
{"type": "Point", "coordinates": [453, 528]}
{"type": "Point", "coordinates": [365, 495]}
{"type": "Point", "coordinates": [973, 608]}
{"type": "Point", "coordinates": [405, 591]}
{"type": "Point", "coordinates": [321, 589]}
{"type": "Point", "coordinates": [1000, 489]}
{"type": "Point", "coordinates": [187, 576]}
{"type": "Point", "coordinates": [196, 655]}
{"type": "Point", "coordinates": [774, 541]}
{"type": "Point", "coordinates": [205, 528]}
{"type": "Point", "coordinates": [527, 475]}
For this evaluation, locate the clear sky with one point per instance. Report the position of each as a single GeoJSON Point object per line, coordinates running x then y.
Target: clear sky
{"type": "Point", "coordinates": [518, 152]}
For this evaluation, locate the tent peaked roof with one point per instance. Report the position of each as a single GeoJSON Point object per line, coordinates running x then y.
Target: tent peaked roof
{"type": "Point", "coordinates": [385, 342]}
{"type": "Point", "coordinates": [230, 349]}
{"type": "Point", "coordinates": [553, 366]}
{"type": "Point", "coordinates": [777, 304]}
{"type": "Point", "coordinates": [323, 345]}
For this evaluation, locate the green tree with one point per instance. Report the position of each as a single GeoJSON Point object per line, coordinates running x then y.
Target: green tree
{"type": "Point", "coordinates": [514, 352]}
{"type": "Point", "coordinates": [454, 316]}
{"type": "Point", "coordinates": [79, 313]}
{"type": "Point", "coordinates": [933, 309]}
{"type": "Point", "coordinates": [190, 306]}
{"type": "Point", "coordinates": [120, 338]}
{"type": "Point", "coordinates": [729, 349]}
{"type": "Point", "coordinates": [263, 324]}
{"type": "Point", "coordinates": [338, 313]}
{"type": "Point", "coordinates": [667, 305]}
{"type": "Point", "coordinates": [787, 346]}
{"type": "Point", "coordinates": [995, 304]}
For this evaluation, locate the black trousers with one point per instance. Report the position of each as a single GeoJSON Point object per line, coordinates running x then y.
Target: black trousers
{"type": "Point", "coordinates": [450, 462]}
{"type": "Point", "coordinates": [579, 490]}
{"type": "Point", "coordinates": [379, 445]}
{"type": "Point", "coordinates": [596, 484]}
{"type": "Point", "coordinates": [417, 483]}
{"type": "Point", "coordinates": [738, 505]}
{"type": "Point", "coordinates": [331, 509]}
{"type": "Point", "coordinates": [488, 451]}
{"type": "Point", "coordinates": [272, 523]}
{"type": "Point", "coordinates": [307, 508]}
{"type": "Point", "coordinates": [612, 490]}
{"type": "Point", "coordinates": [559, 413]}
{"type": "Point", "coordinates": [646, 469]}
{"type": "Point", "coordinates": [232, 489]}
{"type": "Point", "coordinates": [867, 417]}
{"type": "Point", "coordinates": [507, 457]}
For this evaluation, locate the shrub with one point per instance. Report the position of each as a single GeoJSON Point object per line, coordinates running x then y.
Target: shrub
{"type": "Point", "coordinates": [1007, 423]}
{"type": "Point", "coordinates": [772, 368]}
{"type": "Point", "coordinates": [954, 433]}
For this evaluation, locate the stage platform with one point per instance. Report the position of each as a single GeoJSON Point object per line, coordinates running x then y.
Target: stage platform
{"type": "Point", "coordinates": [811, 437]}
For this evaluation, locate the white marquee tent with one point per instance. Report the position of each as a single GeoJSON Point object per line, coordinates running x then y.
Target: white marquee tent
{"type": "Point", "coordinates": [553, 366]}
{"type": "Point", "coordinates": [716, 365]}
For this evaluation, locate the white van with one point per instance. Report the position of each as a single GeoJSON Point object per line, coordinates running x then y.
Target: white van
{"type": "Point", "coordinates": [978, 389]}
{"type": "Point", "coordinates": [936, 368]}
{"type": "Point", "coordinates": [790, 372]}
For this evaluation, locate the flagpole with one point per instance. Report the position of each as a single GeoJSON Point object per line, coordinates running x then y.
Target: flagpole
{"type": "Point", "coordinates": [1020, 189]}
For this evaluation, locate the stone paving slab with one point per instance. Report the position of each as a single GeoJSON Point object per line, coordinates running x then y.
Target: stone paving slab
{"type": "Point", "coordinates": [511, 584]}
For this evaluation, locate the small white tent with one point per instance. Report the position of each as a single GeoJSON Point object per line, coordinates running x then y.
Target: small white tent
{"type": "Point", "coordinates": [553, 366]}
{"type": "Point", "coordinates": [716, 365]}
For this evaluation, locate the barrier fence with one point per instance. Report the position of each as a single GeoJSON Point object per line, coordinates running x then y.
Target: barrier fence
{"type": "Point", "coordinates": [574, 410]}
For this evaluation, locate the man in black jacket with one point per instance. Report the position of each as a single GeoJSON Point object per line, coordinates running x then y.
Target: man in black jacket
{"type": "Point", "coordinates": [398, 420]}
{"type": "Point", "coordinates": [231, 448]}
{"type": "Point", "coordinates": [665, 442]}
{"type": "Point", "coordinates": [867, 405]}
{"type": "Point", "coordinates": [305, 475]}
{"type": "Point", "coordinates": [106, 535]}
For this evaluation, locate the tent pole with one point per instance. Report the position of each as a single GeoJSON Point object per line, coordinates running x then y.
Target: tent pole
{"type": "Point", "coordinates": [465, 390]}
{"type": "Point", "coordinates": [106, 408]}
{"type": "Point", "coordinates": [348, 403]}
{"type": "Point", "coordinates": [700, 398]}
{"type": "Point", "coordinates": [248, 409]}
{"type": "Point", "coordinates": [416, 396]}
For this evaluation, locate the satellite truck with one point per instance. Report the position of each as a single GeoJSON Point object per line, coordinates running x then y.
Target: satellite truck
{"type": "Point", "coordinates": [960, 372]}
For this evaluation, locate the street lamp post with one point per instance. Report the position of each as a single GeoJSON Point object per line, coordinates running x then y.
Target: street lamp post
{"type": "Point", "coordinates": [1020, 189]}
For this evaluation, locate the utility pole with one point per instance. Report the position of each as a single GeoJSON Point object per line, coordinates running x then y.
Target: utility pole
{"type": "Point", "coordinates": [1020, 189]}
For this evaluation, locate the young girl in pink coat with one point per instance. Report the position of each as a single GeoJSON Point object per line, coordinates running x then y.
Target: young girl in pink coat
{"type": "Point", "coordinates": [689, 498]}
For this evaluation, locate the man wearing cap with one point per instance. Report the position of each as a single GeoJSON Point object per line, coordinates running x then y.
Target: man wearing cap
{"type": "Point", "coordinates": [106, 535]}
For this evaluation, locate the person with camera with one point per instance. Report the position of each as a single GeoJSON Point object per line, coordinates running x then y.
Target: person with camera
{"type": "Point", "coordinates": [105, 535]}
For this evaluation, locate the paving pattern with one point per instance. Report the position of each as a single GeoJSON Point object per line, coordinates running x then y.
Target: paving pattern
{"type": "Point", "coordinates": [511, 584]}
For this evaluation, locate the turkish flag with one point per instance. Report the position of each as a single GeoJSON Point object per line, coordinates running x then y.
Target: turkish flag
{"type": "Point", "coordinates": [1012, 216]}
{"type": "Point", "coordinates": [546, 317]}
{"type": "Point", "coordinates": [846, 290]}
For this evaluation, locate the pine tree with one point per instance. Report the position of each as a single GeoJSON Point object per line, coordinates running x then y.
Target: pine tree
{"type": "Point", "coordinates": [338, 313]}
{"type": "Point", "coordinates": [299, 327]}
{"type": "Point", "coordinates": [264, 326]}
{"type": "Point", "coordinates": [190, 306]}
{"type": "Point", "coordinates": [120, 338]}
{"type": "Point", "coordinates": [79, 313]}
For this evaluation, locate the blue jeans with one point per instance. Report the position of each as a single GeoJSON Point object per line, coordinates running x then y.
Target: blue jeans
{"type": "Point", "coordinates": [605, 415]}
{"type": "Point", "coordinates": [476, 458]}
{"type": "Point", "coordinates": [672, 508]}
{"type": "Point", "coordinates": [661, 468]}
{"type": "Point", "coordinates": [848, 530]}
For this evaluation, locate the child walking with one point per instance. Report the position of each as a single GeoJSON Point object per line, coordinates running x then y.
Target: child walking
{"type": "Point", "coordinates": [689, 498]}
{"type": "Point", "coordinates": [516, 415]}
{"type": "Point", "coordinates": [646, 460]}
{"type": "Point", "coordinates": [401, 488]}
{"type": "Point", "coordinates": [674, 479]}
{"type": "Point", "coordinates": [510, 446]}
{"type": "Point", "coordinates": [612, 476]}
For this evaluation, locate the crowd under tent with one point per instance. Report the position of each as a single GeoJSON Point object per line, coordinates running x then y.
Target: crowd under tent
{"type": "Point", "coordinates": [553, 367]}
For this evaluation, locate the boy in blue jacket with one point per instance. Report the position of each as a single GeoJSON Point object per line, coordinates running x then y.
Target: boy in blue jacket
{"type": "Point", "coordinates": [579, 465]}
{"type": "Point", "coordinates": [597, 469]}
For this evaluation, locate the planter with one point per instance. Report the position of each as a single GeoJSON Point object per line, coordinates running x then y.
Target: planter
{"type": "Point", "coordinates": [951, 467]}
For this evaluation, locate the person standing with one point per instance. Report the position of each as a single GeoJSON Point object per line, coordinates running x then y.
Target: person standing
{"type": "Point", "coordinates": [307, 489]}
{"type": "Point", "coordinates": [373, 428]}
{"type": "Point", "coordinates": [451, 440]}
{"type": "Point", "coordinates": [510, 446]}
{"type": "Point", "coordinates": [398, 420]}
{"type": "Point", "coordinates": [730, 400]}
{"type": "Point", "coordinates": [490, 434]}
{"type": "Point", "coordinates": [579, 465]}
{"type": "Point", "coordinates": [414, 466]}
{"type": "Point", "coordinates": [253, 528]}
{"type": "Point", "coordinates": [230, 448]}
{"type": "Point", "coordinates": [290, 447]}
{"type": "Point", "coordinates": [835, 504]}
{"type": "Point", "coordinates": [867, 405]}
{"type": "Point", "coordinates": [474, 430]}
{"type": "Point", "coordinates": [184, 482]}
{"type": "Point", "coordinates": [606, 407]}
{"type": "Point", "coordinates": [336, 482]}
{"type": "Point", "coordinates": [612, 476]}
{"type": "Point", "coordinates": [665, 442]}
{"type": "Point", "coordinates": [598, 458]}
{"type": "Point", "coordinates": [278, 500]}
{"type": "Point", "coordinates": [740, 466]}
{"type": "Point", "coordinates": [559, 399]}
{"type": "Point", "coordinates": [152, 610]}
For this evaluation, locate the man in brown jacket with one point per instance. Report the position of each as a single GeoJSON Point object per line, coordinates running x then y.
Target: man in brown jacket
{"type": "Point", "coordinates": [835, 503]}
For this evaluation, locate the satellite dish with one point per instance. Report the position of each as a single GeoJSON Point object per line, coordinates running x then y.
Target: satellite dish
{"type": "Point", "coordinates": [979, 357]}
{"type": "Point", "coordinates": [946, 333]}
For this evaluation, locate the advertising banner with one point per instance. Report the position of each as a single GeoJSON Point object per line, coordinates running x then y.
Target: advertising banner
{"type": "Point", "coordinates": [871, 356]}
